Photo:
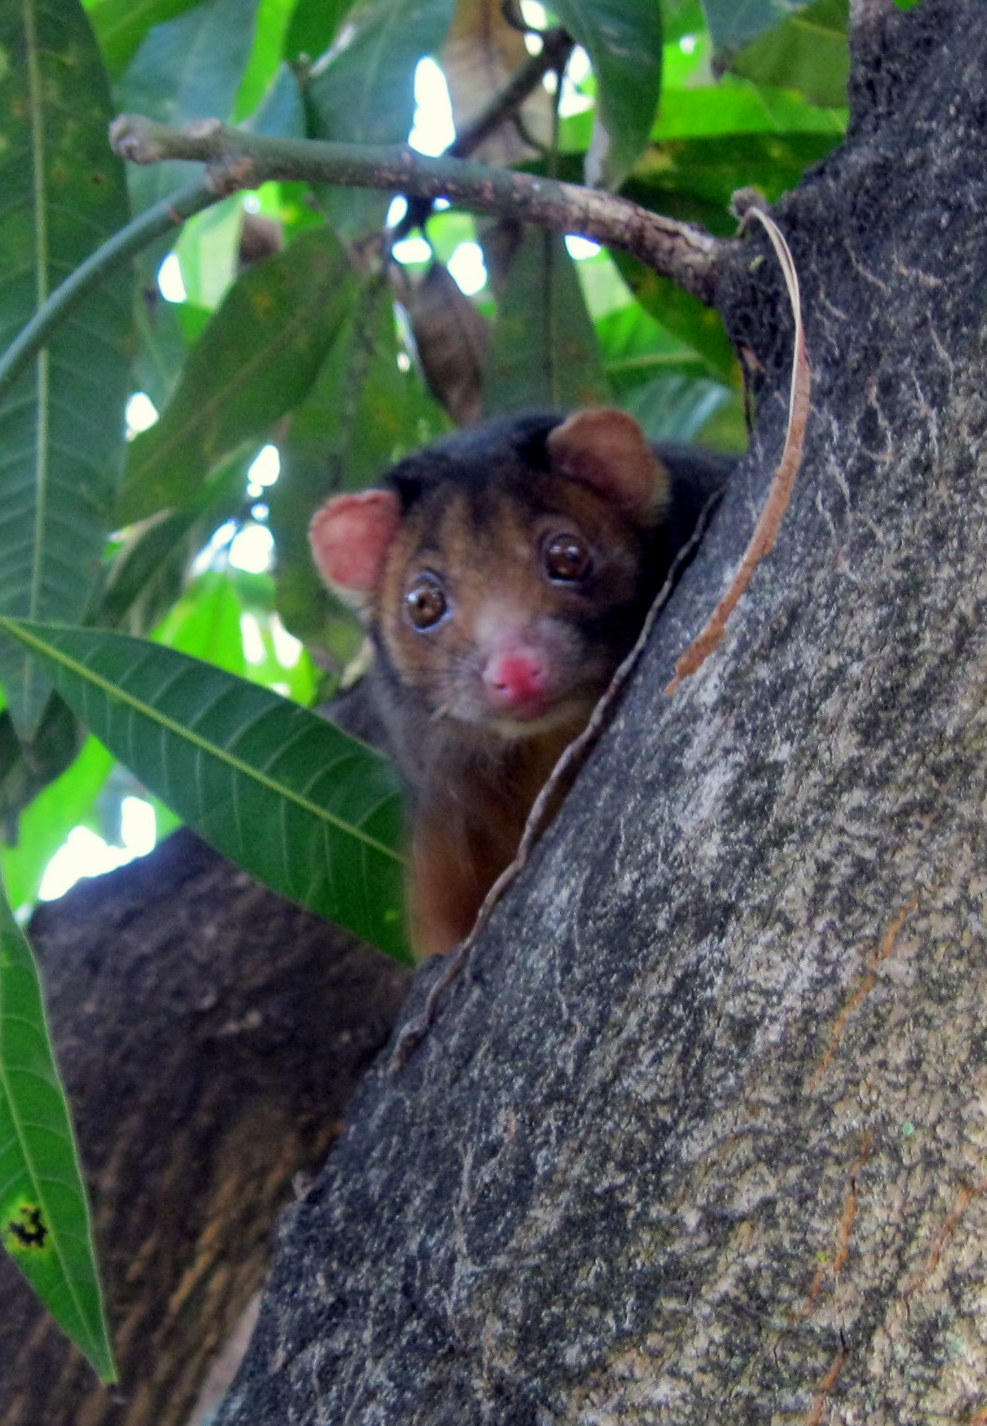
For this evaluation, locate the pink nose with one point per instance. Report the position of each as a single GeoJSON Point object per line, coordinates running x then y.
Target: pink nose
{"type": "Point", "coordinates": [516, 681]}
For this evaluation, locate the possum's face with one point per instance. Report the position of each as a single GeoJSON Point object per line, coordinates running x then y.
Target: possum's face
{"type": "Point", "coordinates": [507, 605]}
{"type": "Point", "coordinates": [504, 586]}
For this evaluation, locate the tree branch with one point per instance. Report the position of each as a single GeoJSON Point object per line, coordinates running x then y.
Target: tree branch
{"type": "Point", "coordinates": [688, 255]}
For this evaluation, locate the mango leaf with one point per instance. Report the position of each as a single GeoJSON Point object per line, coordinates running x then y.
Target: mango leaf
{"type": "Point", "coordinates": [732, 24]}
{"type": "Point", "coordinates": [61, 424]}
{"type": "Point", "coordinates": [265, 58]}
{"type": "Point", "coordinates": [308, 810]}
{"type": "Point", "coordinates": [25, 769]}
{"type": "Point", "coordinates": [206, 623]}
{"type": "Point", "coordinates": [694, 180]}
{"type": "Point", "coordinates": [187, 68]}
{"type": "Point", "coordinates": [281, 111]}
{"type": "Point", "coordinates": [313, 25]}
{"type": "Point", "coordinates": [544, 351]}
{"type": "Point", "coordinates": [624, 42]}
{"type": "Point", "coordinates": [151, 566]}
{"type": "Point", "coordinates": [677, 408]}
{"type": "Point", "coordinates": [363, 89]}
{"type": "Point", "coordinates": [43, 826]}
{"type": "Point", "coordinates": [450, 337]}
{"type": "Point", "coordinates": [808, 52]}
{"type": "Point", "coordinates": [44, 1217]}
{"type": "Point", "coordinates": [681, 314]}
{"type": "Point", "coordinates": [256, 359]}
{"type": "Point", "coordinates": [161, 348]}
{"type": "Point", "coordinates": [207, 249]}
{"type": "Point", "coordinates": [718, 110]}
{"type": "Point", "coordinates": [638, 349]}
{"type": "Point", "coordinates": [121, 25]}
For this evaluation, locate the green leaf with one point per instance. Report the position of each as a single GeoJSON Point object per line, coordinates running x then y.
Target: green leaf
{"type": "Point", "coordinates": [273, 18]}
{"type": "Point", "coordinates": [544, 350]}
{"type": "Point", "coordinates": [190, 67]}
{"type": "Point", "coordinates": [624, 42]}
{"type": "Point", "coordinates": [121, 25]}
{"type": "Point", "coordinates": [205, 623]}
{"type": "Point", "coordinates": [737, 107]}
{"type": "Point", "coordinates": [309, 811]}
{"type": "Point", "coordinates": [151, 567]}
{"type": "Point", "coordinates": [61, 425]}
{"type": "Point", "coordinates": [44, 1217]}
{"type": "Point", "coordinates": [691, 321]}
{"type": "Point", "coordinates": [694, 180]}
{"type": "Point", "coordinates": [733, 22]}
{"type": "Point", "coordinates": [25, 769]}
{"type": "Point", "coordinates": [364, 90]}
{"type": "Point", "coordinates": [677, 408]}
{"type": "Point", "coordinates": [313, 25]}
{"type": "Point", "coordinates": [43, 827]}
{"type": "Point", "coordinates": [161, 348]}
{"type": "Point", "coordinates": [808, 52]}
{"type": "Point", "coordinates": [281, 111]}
{"type": "Point", "coordinates": [256, 359]}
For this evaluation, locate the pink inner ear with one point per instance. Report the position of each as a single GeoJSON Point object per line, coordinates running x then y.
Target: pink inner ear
{"type": "Point", "coordinates": [350, 537]}
{"type": "Point", "coordinates": [607, 449]}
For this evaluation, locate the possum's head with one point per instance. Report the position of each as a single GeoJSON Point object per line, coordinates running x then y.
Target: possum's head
{"type": "Point", "coordinates": [504, 571]}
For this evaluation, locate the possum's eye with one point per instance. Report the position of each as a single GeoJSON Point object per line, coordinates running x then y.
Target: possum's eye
{"type": "Point", "coordinates": [426, 601]}
{"type": "Point", "coordinates": [567, 558]}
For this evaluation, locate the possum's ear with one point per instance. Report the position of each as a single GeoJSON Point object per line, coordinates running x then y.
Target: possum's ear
{"type": "Point", "coordinates": [607, 449]}
{"type": "Point", "coordinates": [350, 536]}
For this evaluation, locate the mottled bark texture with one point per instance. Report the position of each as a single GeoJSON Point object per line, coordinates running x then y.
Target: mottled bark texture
{"type": "Point", "coordinates": [701, 1134]}
{"type": "Point", "coordinates": [209, 1035]}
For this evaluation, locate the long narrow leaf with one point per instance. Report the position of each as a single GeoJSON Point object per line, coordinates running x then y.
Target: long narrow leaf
{"type": "Point", "coordinates": [44, 1217]}
{"type": "Point", "coordinates": [256, 359]}
{"type": "Point", "coordinates": [61, 424]}
{"type": "Point", "coordinates": [305, 808]}
{"type": "Point", "coordinates": [544, 351]}
{"type": "Point", "coordinates": [623, 39]}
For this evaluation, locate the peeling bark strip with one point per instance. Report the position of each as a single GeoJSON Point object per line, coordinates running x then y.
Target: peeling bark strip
{"type": "Point", "coordinates": [763, 539]}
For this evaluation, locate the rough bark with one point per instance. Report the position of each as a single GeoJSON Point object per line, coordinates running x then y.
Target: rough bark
{"type": "Point", "coordinates": [701, 1134]}
{"type": "Point", "coordinates": [209, 1034]}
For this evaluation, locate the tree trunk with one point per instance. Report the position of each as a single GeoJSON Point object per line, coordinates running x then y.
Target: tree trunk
{"type": "Point", "coordinates": [700, 1134]}
{"type": "Point", "coordinates": [209, 1034]}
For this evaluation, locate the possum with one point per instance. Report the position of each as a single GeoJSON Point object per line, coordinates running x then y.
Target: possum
{"type": "Point", "coordinates": [504, 573]}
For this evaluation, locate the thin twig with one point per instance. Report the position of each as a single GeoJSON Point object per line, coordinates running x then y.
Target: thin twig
{"type": "Point", "coordinates": [557, 45]}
